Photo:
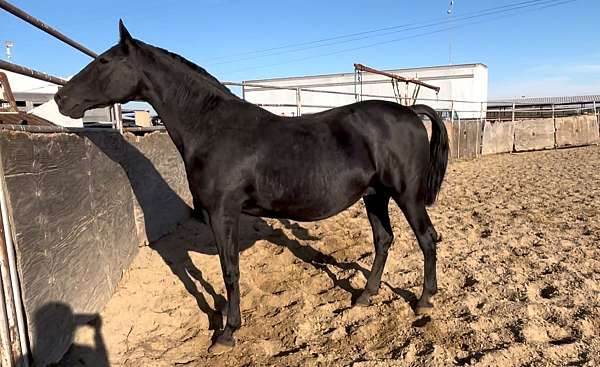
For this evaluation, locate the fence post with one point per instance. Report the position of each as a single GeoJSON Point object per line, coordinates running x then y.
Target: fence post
{"type": "Point", "coordinates": [479, 138]}
{"type": "Point", "coordinates": [459, 137]}
{"type": "Point", "coordinates": [597, 118]}
{"type": "Point", "coordinates": [513, 112]}
{"type": "Point", "coordinates": [118, 117]}
{"type": "Point", "coordinates": [298, 102]}
{"type": "Point", "coordinates": [553, 116]}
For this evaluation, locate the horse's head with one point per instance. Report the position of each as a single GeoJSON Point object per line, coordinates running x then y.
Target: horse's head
{"type": "Point", "coordinates": [111, 78]}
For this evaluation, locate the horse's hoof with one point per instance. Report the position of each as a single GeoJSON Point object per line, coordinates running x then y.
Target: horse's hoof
{"type": "Point", "coordinates": [364, 300]}
{"type": "Point", "coordinates": [423, 308]}
{"type": "Point", "coordinates": [221, 346]}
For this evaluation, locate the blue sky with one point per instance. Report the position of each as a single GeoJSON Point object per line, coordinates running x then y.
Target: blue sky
{"type": "Point", "coordinates": [545, 48]}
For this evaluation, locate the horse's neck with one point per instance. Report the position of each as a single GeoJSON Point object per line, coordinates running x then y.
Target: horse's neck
{"type": "Point", "coordinates": [179, 95]}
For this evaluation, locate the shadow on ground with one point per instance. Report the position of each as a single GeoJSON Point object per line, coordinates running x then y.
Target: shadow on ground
{"type": "Point", "coordinates": [158, 200]}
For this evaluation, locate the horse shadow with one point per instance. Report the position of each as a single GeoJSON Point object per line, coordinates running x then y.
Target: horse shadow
{"type": "Point", "coordinates": [196, 236]}
{"type": "Point", "coordinates": [60, 317]}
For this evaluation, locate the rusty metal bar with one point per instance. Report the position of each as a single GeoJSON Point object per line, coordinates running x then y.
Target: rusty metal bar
{"type": "Point", "coordinates": [362, 67]}
{"type": "Point", "coordinates": [144, 129]}
{"type": "Point", "coordinates": [44, 27]}
{"type": "Point", "coordinates": [55, 33]}
{"type": "Point", "coordinates": [5, 340]}
{"type": "Point", "coordinates": [21, 336]}
{"type": "Point", "coordinates": [55, 129]}
{"type": "Point", "coordinates": [8, 310]}
{"type": "Point", "coordinates": [31, 73]}
{"type": "Point", "coordinates": [8, 94]}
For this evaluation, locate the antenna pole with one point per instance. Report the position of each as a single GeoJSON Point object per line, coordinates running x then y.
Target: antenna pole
{"type": "Point", "coordinates": [450, 14]}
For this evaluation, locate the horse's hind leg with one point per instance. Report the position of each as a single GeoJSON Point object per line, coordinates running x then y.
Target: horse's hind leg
{"type": "Point", "coordinates": [377, 211]}
{"type": "Point", "coordinates": [225, 226]}
{"type": "Point", "coordinates": [414, 209]}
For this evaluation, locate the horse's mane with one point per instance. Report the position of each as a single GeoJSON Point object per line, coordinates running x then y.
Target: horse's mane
{"type": "Point", "coordinates": [211, 79]}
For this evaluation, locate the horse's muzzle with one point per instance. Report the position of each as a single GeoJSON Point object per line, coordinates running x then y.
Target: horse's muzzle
{"type": "Point", "coordinates": [66, 107]}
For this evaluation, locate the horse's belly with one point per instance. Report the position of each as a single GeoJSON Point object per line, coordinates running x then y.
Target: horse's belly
{"type": "Point", "coordinates": [307, 200]}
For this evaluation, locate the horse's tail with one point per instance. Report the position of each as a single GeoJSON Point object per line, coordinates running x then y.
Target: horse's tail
{"type": "Point", "coordinates": [438, 153]}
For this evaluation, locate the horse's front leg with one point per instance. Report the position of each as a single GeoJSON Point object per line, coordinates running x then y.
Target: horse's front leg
{"type": "Point", "coordinates": [224, 222]}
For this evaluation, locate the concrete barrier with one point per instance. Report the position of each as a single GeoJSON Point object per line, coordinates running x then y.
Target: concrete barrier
{"type": "Point", "coordinates": [534, 134]}
{"type": "Point", "coordinates": [498, 137]}
{"type": "Point", "coordinates": [576, 131]}
{"type": "Point", "coordinates": [72, 199]}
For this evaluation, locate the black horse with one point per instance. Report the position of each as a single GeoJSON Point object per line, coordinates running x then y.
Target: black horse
{"type": "Point", "coordinates": [240, 158]}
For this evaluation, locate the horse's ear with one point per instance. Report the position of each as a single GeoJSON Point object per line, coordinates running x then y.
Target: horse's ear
{"type": "Point", "coordinates": [126, 41]}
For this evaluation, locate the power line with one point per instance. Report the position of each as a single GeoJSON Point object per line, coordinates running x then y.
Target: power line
{"type": "Point", "coordinates": [397, 29]}
{"type": "Point", "coordinates": [552, 3]}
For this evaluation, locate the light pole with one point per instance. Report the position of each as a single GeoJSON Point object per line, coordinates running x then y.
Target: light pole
{"type": "Point", "coordinates": [450, 12]}
{"type": "Point", "coordinates": [8, 45]}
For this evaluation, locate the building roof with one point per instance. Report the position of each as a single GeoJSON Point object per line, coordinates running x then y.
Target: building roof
{"type": "Point", "coordinates": [535, 101]}
{"type": "Point", "coordinates": [402, 70]}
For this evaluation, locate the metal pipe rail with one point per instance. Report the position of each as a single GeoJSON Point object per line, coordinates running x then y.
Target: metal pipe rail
{"type": "Point", "coordinates": [44, 27]}
{"type": "Point", "coordinates": [362, 67]}
{"type": "Point", "coordinates": [31, 73]}
{"type": "Point", "coordinates": [55, 33]}
{"type": "Point", "coordinates": [54, 129]}
{"type": "Point", "coordinates": [267, 87]}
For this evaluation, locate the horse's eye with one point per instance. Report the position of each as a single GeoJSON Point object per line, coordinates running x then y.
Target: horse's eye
{"type": "Point", "coordinates": [103, 60]}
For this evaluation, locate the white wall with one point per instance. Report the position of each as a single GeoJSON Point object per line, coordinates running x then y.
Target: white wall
{"type": "Point", "coordinates": [457, 82]}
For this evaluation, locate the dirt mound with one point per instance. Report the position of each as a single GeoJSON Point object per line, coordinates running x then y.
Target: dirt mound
{"type": "Point", "coordinates": [518, 272]}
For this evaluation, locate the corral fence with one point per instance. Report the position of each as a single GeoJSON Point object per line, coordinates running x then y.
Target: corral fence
{"type": "Point", "coordinates": [477, 128]}
{"type": "Point", "coordinates": [77, 202]}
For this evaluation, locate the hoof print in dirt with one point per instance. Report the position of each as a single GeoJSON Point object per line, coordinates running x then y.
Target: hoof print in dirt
{"type": "Point", "coordinates": [563, 341]}
{"type": "Point", "coordinates": [549, 292]}
{"type": "Point", "coordinates": [426, 350]}
{"type": "Point", "coordinates": [469, 281]}
{"type": "Point", "coordinates": [422, 321]}
{"type": "Point", "coordinates": [486, 233]}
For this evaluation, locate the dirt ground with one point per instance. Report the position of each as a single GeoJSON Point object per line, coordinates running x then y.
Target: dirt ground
{"type": "Point", "coordinates": [518, 273]}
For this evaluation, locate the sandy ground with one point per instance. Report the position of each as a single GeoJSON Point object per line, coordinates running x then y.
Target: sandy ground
{"type": "Point", "coordinates": [518, 272]}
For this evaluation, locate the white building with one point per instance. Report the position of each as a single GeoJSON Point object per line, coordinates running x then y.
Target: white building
{"type": "Point", "coordinates": [37, 97]}
{"type": "Point", "coordinates": [463, 88]}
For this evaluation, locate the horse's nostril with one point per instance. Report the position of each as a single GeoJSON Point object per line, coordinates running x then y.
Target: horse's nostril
{"type": "Point", "coordinates": [59, 98]}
